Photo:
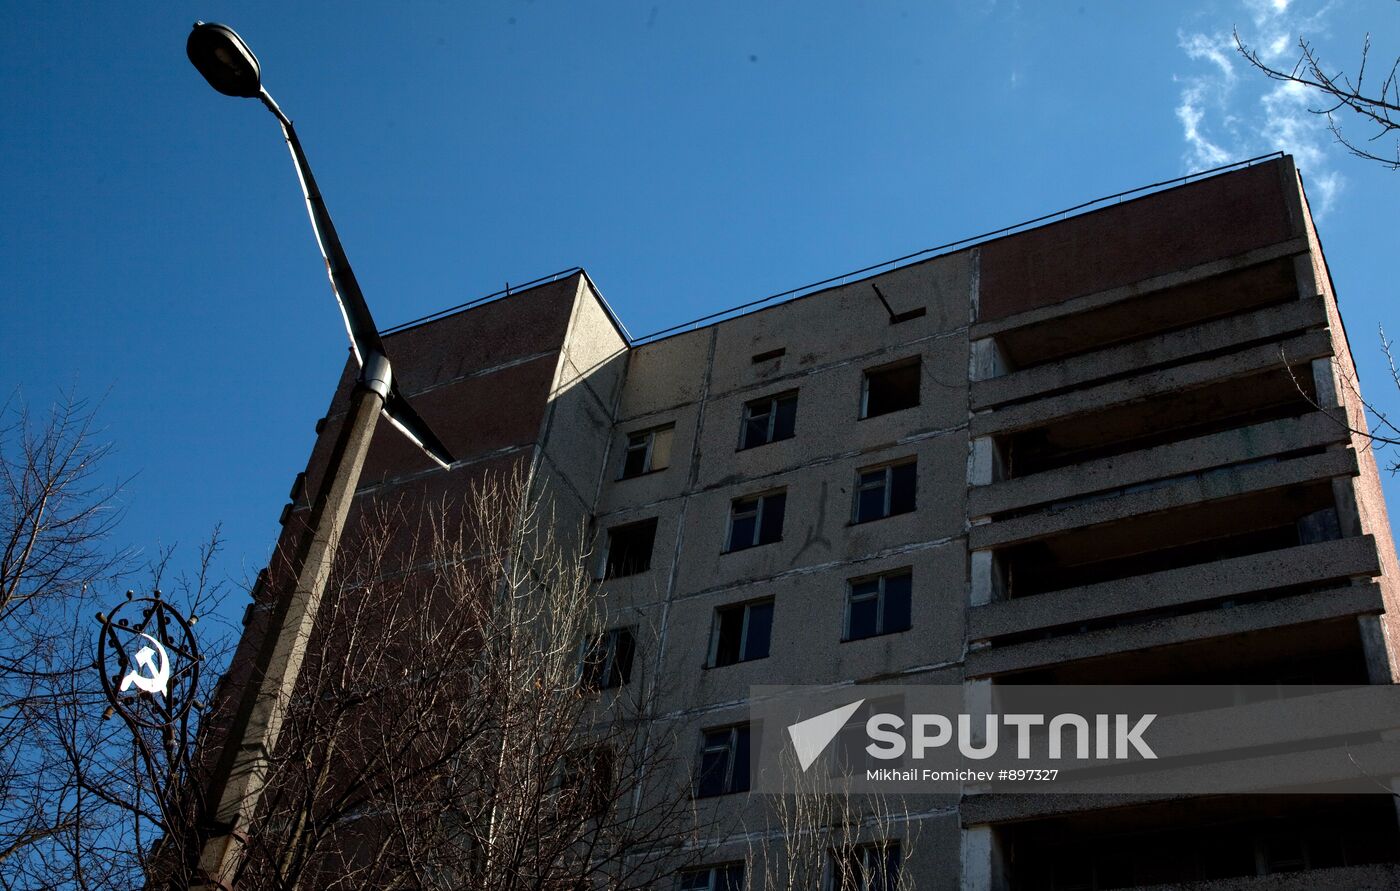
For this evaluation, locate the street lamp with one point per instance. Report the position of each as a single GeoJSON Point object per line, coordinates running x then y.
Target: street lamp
{"type": "Point", "coordinates": [237, 782]}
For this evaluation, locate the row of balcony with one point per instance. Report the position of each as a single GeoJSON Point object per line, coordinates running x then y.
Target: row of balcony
{"type": "Point", "coordinates": [1162, 492]}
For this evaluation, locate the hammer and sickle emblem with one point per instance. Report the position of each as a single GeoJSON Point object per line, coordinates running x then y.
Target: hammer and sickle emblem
{"type": "Point", "coordinates": [159, 676]}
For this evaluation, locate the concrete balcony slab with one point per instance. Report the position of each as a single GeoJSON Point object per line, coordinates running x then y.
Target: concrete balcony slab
{"type": "Point", "coordinates": [1252, 360]}
{"type": "Point", "coordinates": [1100, 299]}
{"type": "Point", "coordinates": [1305, 564]}
{"type": "Point", "coordinates": [1270, 323]}
{"type": "Point", "coordinates": [1205, 487]}
{"type": "Point", "coordinates": [1317, 606]}
{"type": "Point", "coordinates": [1187, 456]}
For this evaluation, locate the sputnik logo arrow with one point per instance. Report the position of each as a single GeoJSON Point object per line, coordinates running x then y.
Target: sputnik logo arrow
{"type": "Point", "coordinates": [811, 737]}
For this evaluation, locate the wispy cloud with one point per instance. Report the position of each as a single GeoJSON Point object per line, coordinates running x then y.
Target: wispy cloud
{"type": "Point", "coordinates": [1229, 111]}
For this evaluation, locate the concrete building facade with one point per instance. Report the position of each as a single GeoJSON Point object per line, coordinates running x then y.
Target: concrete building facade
{"type": "Point", "coordinates": [1116, 448]}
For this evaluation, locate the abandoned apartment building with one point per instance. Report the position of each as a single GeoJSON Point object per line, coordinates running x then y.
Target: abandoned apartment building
{"type": "Point", "coordinates": [1113, 448]}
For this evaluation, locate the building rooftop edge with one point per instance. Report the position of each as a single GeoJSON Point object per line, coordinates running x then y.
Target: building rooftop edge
{"type": "Point", "coordinates": [845, 278]}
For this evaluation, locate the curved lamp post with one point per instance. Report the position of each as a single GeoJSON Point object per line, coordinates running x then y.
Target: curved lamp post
{"type": "Point", "coordinates": [236, 785]}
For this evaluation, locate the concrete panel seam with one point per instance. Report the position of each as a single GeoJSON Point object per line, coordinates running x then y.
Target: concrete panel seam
{"type": "Point", "coordinates": [899, 551]}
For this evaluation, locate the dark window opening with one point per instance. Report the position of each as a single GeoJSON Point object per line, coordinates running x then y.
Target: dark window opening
{"type": "Point", "coordinates": [629, 549]}
{"type": "Point", "coordinates": [607, 659]}
{"type": "Point", "coordinates": [725, 877]}
{"type": "Point", "coordinates": [724, 761]}
{"type": "Point", "coordinates": [885, 491]}
{"type": "Point", "coordinates": [848, 755]}
{"type": "Point", "coordinates": [770, 419]}
{"type": "Point", "coordinates": [890, 388]}
{"type": "Point", "coordinates": [879, 605]}
{"type": "Point", "coordinates": [757, 520]}
{"type": "Point", "coordinates": [588, 780]}
{"type": "Point", "coordinates": [770, 354]}
{"type": "Point", "coordinates": [647, 451]}
{"type": "Point", "coordinates": [871, 867]}
{"type": "Point", "coordinates": [741, 633]}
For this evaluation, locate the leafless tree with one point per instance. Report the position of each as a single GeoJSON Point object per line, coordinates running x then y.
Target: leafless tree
{"type": "Point", "coordinates": [456, 724]}
{"type": "Point", "coordinates": [1375, 102]}
{"type": "Point", "coordinates": [79, 802]}
{"type": "Point", "coordinates": [1368, 423]}
{"type": "Point", "coordinates": [54, 517]}
{"type": "Point", "coordinates": [820, 835]}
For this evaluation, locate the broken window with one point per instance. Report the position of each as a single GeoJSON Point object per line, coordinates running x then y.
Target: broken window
{"type": "Point", "coordinates": [647, 450]}
{"type": "Point", "coordinates": [890, 388]}
{"type": "Point", "coordinates": [606, 661]}
{"type": "Point", "coordinates": [629, 549]}
{"type": "Point", "coordinates": [724, 761]}
{"type": "Point", "coordinates": [741, 632]}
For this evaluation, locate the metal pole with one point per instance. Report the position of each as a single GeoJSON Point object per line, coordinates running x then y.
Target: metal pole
{"type": "Point", "coordinates": [236, 786]}
{"type": "Point", "coordinates": [234, 790]}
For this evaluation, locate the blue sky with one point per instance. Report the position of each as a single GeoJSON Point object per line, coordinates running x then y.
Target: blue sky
{"type": "Point", "coordinates": [155, 253]}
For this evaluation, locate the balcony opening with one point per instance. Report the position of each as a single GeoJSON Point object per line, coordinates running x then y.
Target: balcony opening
{"type": "Point", "coordinates": [1282, 392]}
{"type": "Point", "coordinates": [1199, 839]}
{"type": "Point", "coordinates": [1317, 654]}
{"type": "Point", "coordinates": [1232, 293]}
{"type": "Point", "coordinates": [1201, 533]}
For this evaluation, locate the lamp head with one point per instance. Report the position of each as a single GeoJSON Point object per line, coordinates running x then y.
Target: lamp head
{"type": "Point", "coordinates": [224, 59]}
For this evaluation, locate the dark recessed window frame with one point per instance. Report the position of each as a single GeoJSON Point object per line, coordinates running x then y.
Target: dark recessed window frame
{"type": "Point", "coordinates": [587, 777]}
{"type": "Point", "coordinates": [605, 659]}
{"type": "Point", "coordinates": [770, 419]}
{"type": "Point", "coordinates": [886, 490]}
{"type": "Point", "coordinates": [890, 388]}
{"type": "Point", "coordinates": [629, 548]}
{"type": "Point", "coordinates": [874, 866]}
{"type": "Point", "coordinates": [719, 877]}
{"type": "Point", "coordinates": [723, 767]}
{"type": "Point", "coordinates": [647, 451]}
{"type": "Point", "coordinates": [741, 632]}
{"type": "Point", "coordinates": [756, 520]}
{"type": "Point", "coordinates": [877, 605]}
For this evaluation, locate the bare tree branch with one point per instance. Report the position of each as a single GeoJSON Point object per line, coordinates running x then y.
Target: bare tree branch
{"type": "Point", "coordinates": [1377, 107]}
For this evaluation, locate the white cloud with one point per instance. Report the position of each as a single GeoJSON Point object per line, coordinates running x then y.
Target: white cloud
{"type": "Point", "coordinates": [1203, 152]}
{"type": "Point", "coordinates": [1228, 111]}
{"type": "Point", "coordinates": [1217, 50]}
{"type": "Point", "coordinates": [1289, 123]}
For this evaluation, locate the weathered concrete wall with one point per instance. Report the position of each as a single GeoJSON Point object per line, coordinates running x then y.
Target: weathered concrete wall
{"type": "Point", "coordinates": [700, 381]}
{"type": "Point", "coordinates": [1361, 499]}
{"type": "Point", "coordinates": [1164, 231]}
{"type": "Point", "coordinates": [571, 456]}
